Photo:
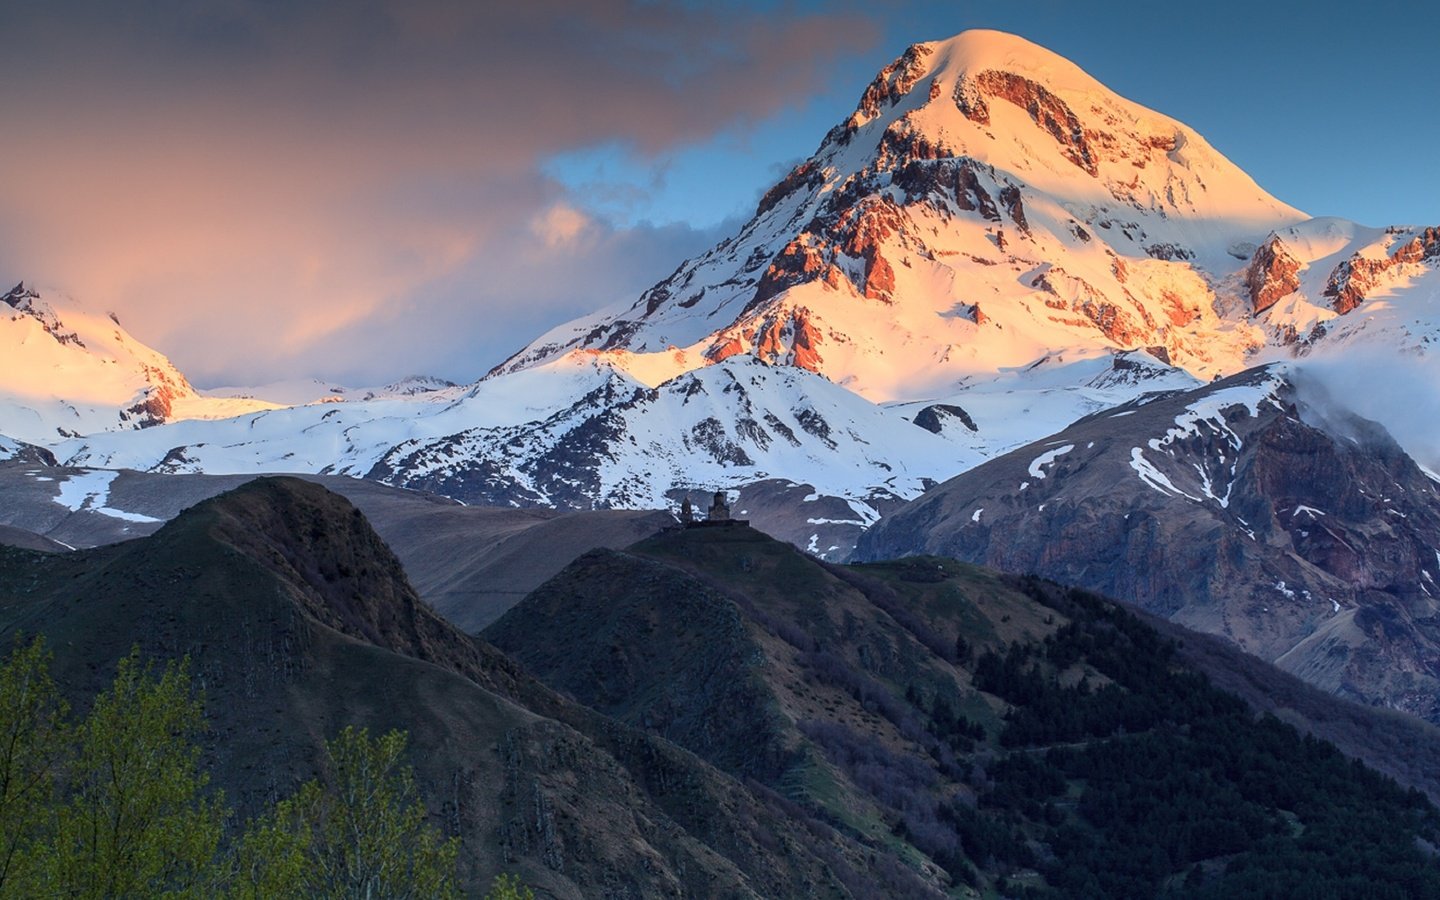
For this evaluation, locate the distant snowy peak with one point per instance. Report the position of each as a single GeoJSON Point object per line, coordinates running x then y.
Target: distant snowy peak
{"type": "Point", "coordinates": [410, 386]}
{"type": "Point", "coordinates": [66, 371]}
{"type": "Point", "coordinates": [302, 391]}
{"type": "Point", "coordinates": [986, 204]}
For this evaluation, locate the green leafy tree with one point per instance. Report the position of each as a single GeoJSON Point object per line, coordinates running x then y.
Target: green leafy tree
{"type": "Point", "coordinates": [272, 857]}
{"type": "Point", "coordinates": [509, 887]}
{"type": "Point", "coordinates": [33, 741]}
{"type": "Point", "coordinates": [117, 806]}
{"type": "Point", "coordinates": [363, 834]}
{"type": "Point", "coordinates": [136, 820]}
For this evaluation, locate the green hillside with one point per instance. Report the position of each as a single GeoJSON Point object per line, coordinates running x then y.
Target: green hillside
{"type": "Point", "coordinates": [1007, 736]}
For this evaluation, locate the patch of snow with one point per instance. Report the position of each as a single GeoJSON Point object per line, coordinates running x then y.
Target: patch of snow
{"type": "Point", "coordinates": [90, 491]}
{"type": "Point", "coordinates": [975, 517]}
{"type": "Point", "coordinates": [867, 513]}
{"type": "Point", "coordinates": [1038, 464]}
{"type": "Point", "coordinates": [1207, 488]}
{"type": "Point", "coordinates": [1153, 477]}
{"type": "Point", "coordinates": [85, 490]}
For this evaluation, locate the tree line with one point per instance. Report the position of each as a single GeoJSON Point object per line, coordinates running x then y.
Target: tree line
{"type": "Point", "coordinates": [117, 804]}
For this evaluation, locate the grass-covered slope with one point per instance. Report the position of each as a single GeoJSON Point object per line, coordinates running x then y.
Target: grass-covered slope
{"type": "Point", "coordinates": [999, 735]}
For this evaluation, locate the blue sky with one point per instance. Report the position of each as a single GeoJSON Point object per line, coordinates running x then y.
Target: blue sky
{"type": "Point", "coordinates": [1329, 106]}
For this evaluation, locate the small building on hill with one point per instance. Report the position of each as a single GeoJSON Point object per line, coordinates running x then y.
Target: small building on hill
{"type": "Point", "coordinates": [717, 514]}
{"type": "Point", "coordinates": [719, 509]}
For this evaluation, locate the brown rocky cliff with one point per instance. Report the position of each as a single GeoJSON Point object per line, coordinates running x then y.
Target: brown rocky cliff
{"type": "Point", "coordinates": [1273, 273]}
{"type": "Point", "coordinates": [1044, 108]}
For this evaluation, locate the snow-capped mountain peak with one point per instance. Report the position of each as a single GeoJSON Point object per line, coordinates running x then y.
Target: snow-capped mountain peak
{"type": "Point", "coordinates": [986, 204]}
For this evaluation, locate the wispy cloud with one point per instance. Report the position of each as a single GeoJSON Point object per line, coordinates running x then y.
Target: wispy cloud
{"type": "Point", "coordinates": [267, 189]}
{"type": "Point", "coordinates": [1395, 390]}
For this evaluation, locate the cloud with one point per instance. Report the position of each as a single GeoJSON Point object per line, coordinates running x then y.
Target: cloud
{"type": "Point", "coordinates": [1396, 390]}
{"type": "Point", "coordinates": [256, 187]}
{"type": "Point", "coordinates": [560, 225]}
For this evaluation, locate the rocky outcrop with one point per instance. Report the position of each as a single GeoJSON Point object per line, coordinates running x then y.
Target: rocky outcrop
{"type": "Point", "coordinates": [891, 84]}
{"type": "Point", "coordinates": [27, 301]}
{"type": "Point", "coordinates": [786, 337]}
{"type": "Point", "coordinates": [19, 296]}
{"type": "Point", "coordinates": [806, 175]}
{"type": "Point", "coordinates": [802, 259]}
{"type": "Point", "coordinates": [956, 181]}
{"type": "Point", "coordinates": [1273, 273]}
{"type": "Point", "coordinates": [1355, 278]}
{"type": "Point", "coordinates": [1045, 109]}
{"type": "Point", "coordinates": [1127, 327]}
{"type": "Point", "coordinates": [828, 250]}
{"type": "Point", "coordinates": [935, 416]}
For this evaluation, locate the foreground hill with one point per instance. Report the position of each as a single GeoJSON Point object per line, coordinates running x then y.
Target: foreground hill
{"type": "Point", "coordinates": [999, 733]}
{"type": "Point", "coordinates": [298, 621]}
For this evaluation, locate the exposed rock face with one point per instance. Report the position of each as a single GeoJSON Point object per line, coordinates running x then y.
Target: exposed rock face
{"type": "Point", "coordinates": [19, 451]}
{"type": "Point", "coordinates": [1126, 325]}
{"type": "Point", "coordinates": [805, 175]}
{"type": "Point", "coordinates": [1045, 109]}
{"type": "Point", "coordinates": [1355, 278]}
{"type": "Point", "coordinates": [27, 300]}
{"type": "Point", "coordinates": [1241, 509]}
{"type": "Point", "coordinates": [1273, 274]}
{"type": "Point", "coordinates": [933, 418]}
{"type": "Point", "coordinates": [891, 84]}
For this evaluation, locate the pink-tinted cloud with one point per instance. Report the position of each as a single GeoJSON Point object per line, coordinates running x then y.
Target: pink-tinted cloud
{"type": "Point", "coordinates": [269, 189]}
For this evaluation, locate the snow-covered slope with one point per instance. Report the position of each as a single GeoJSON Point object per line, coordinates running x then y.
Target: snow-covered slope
{"type": "Point", "coordinates": [580, 431]}
{"type": "Point", "coordinates": [66, 371]}
{"type": "Point", "coordinates": [576, 432]}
